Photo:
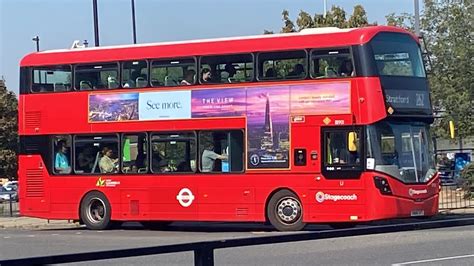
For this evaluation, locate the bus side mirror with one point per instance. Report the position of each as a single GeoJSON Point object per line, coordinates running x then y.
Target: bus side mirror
{"type": "Point", "coordinates": [352, 141]}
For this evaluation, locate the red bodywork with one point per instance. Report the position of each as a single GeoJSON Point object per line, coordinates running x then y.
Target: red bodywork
{"type": "Point", "coordinates": [226, 197]}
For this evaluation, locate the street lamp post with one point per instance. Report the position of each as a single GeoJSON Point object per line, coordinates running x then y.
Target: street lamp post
{"type": "Point", "coordinates": [133, 23]}
{"type": "Point", "coordinates": [37, 40]}
{"type": "Point", "coordinates": [96, 22]}
{"type": "Point", "coordinates": [417, 18]}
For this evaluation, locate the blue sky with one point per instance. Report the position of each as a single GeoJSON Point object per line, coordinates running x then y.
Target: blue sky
{"type": "Point", "coordinates": [59, 22]}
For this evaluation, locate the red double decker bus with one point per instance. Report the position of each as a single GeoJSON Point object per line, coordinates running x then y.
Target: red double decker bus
{"type": "Point", "coordinates": [321, 126]}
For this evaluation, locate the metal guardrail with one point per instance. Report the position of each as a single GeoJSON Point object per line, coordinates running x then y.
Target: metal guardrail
{"type": "Point", "coordinates": [453, 194]}
{"type": "Point", "coordinates": [9, 207]}
{"type": "Point", "coordinates": [204, 251]}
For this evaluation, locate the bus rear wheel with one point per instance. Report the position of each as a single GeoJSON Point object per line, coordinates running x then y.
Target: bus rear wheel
{"type": "Point", "coordinates": [285, 211]}
{"type": "Point", "coordinates": [96, 211]}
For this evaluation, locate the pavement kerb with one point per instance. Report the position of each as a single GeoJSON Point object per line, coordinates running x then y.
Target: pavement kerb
{"type": "Point", "coordinates": [35, 223]}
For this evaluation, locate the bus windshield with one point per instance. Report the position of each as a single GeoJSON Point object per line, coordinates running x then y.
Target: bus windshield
{"type": "Point", "coordinates": [402, 150]}
{"type": "Point", "coordinates": [397, 54]}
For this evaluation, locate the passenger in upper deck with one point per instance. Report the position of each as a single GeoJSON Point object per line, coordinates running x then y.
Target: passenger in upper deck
{"type": "Point", "coordinates": [298, 71]}
{"type": "Point", "coordinates": [188, 78]}
{"type": "Point", "coordinates": [230, 69]}
{"type": "Point", "coordinates": [346, 69]}
{"type": "Point", "coordinates": [206, 75]}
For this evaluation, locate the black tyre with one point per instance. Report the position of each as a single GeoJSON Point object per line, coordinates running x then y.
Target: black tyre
{"type": "Point", "coordinates": [285, 212]}
{"type": "Point", "coordinates": [96, 211]}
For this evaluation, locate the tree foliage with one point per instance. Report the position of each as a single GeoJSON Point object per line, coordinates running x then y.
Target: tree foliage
{"type": "Point", "coordinates": [447, 28]}
{"type": "Point", "coordinates": [8, 132]}
{"type": "Point", "coordinates": [335, 17]}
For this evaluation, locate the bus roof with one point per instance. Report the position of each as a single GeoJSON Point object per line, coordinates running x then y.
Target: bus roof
{"type": "Point", "coordinates": [308, 38]}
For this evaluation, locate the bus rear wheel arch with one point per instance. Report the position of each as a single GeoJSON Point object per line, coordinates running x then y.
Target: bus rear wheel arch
{"type": "Point", "coordinates": [285, 211]}
{"type": "Point", "coordinates": [95, 211]}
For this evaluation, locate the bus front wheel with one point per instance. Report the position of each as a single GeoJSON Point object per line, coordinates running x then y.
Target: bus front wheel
{"type": "Point", "coordinates": [285, 211]}
{"type": "Point", "coordinates": [95, 211]}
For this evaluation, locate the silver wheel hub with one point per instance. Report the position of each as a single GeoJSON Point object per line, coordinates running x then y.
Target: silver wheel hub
{"type": "Point", "coordinates": [289, 210]}
{"type": "Point", "coordinates": [96, 210]}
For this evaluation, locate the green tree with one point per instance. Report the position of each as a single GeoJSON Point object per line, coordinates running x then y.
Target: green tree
{"type": "Point", "coordinates": [335, 17]}
{"type": "Point", "coordinates": [403, 20]}
{"type": "Point", "coordinates": [358, 17]}
{"type": "Point", "coordinates": [289, 25]}
{"type": "Point", "coordinates": [8, 132]}
{"type": "Point", "coordinates": [447, 27]}
{"type": "Point", "coordinates": [304, 21]}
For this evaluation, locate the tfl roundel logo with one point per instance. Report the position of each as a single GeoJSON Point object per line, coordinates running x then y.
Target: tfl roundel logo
{"type": "Point", "coordinates": [320, 196]}
{"type": "Point", "coordinates": [185, 197]}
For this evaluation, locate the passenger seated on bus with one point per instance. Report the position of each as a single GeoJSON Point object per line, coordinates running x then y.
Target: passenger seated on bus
{"type": "Point", "coordinates": [130, 83]}
{"type": "Point", "coordinates": [298, 71]}
{"type": "Point", "coordinates": [206, 76]}
{"type": "Point", "coordinates": [188, 78]}
{"type": "Point", "coordinates": [270, 73]}
{"type": "Point", "coordinates": [346, 69]}
{"type": "Point", "coordinates": [111, 82]}
{"type": "Point", "coordinates": [208, 158]}
{"type": "Point", "coordinates": [106, 163]}
{"type": "Point", "coordinates": [61, 162]}
{"type": "Point", "coordinates": [230, 70]}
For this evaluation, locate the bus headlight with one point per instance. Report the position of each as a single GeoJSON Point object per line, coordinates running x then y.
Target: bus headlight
{"type": "Point", "coordinates": [382, 184]}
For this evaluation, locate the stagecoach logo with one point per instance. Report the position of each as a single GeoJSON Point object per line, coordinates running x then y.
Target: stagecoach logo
{"type": "Point", "coordinates": [106, 183]}
{"type": "Point", "coordinates": [321, 197]}
{"type": "Point", "coordinates": [412, 191]}
{"type": "Point", "coordinates": [185, 197]}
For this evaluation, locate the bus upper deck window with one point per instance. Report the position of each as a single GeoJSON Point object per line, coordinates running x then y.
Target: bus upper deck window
{"type": "Point", "coordinates": [282, 65]}
{"type": "Point", "coordinates": [96, 76]}
{"type": "Point", "coordinates": [234, 68]}
{"type": "Point", "coordinates": [176, 72]}
{"type": "Point", "coordinates": [332, 63]}
{"type": "Point", "coordinates": [51, 79]}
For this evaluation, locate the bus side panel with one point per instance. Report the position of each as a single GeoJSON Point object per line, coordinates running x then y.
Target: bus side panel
{"type": "Point", "coordinates": [34, 195]}
{"type": "Point", "coordinates": [226, 198]}
{"type": "Point", "coordinates": [339, 200]}
{"type": "Point", "coordinates": [370, 101]}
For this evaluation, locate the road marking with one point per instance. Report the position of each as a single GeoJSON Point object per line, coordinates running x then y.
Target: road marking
{"type": "Point", "coordinates": [431, 260]}
{"type": "Point", "coordinates": [6, 237]}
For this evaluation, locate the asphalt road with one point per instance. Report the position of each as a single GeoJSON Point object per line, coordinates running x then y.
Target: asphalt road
{"type": "Point", "coordinates": [443, 246]}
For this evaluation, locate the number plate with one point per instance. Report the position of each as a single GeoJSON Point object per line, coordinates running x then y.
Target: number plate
{"type": "Point", "coordinates": [417, 213]}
